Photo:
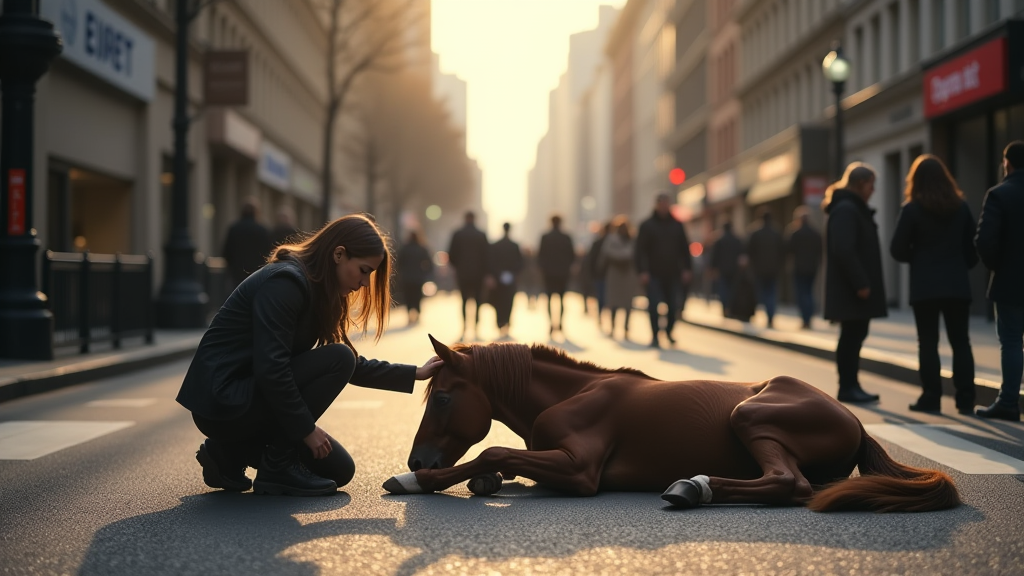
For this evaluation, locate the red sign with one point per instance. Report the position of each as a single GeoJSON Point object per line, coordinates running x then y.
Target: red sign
{"type": "Point", "coordinates": [975, 75]}
{"type": "Point", "coordinates": [15, 201]}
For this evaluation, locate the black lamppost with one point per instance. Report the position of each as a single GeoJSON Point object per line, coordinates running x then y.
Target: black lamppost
{"type": "Point", "coordinates": [27, 45]}
{"type": "Point", "coordinates": [182, 301]}
{"type": "Point", "coordinates": [837, 71]}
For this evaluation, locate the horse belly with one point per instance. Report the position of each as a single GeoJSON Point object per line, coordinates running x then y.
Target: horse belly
{"type": "Point", "coordinates": [670, 432]}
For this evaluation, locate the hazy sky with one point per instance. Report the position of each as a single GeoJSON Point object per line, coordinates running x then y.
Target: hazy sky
{"type": "Point", "coordinates": [511, 53]}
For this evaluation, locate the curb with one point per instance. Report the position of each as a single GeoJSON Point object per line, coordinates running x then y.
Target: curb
{"type": "Point", "coordinates": [54, 378]}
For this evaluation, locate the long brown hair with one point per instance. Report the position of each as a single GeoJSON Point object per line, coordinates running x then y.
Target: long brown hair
{"type": "Point", "coordinates": [336, 314]}
{"type": "Point", "coordinates": [931, 185]}
{"type": "Point", "coordinates": [857, 173]}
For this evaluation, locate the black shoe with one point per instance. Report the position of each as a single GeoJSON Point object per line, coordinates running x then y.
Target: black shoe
{"type": "Point", "coordinates": [1000, 412]}
{"type": "Point", "coordinates": [219, 471]}
{"type": "Point", "coordinates": [669, 337]}
{"type": "Point", "coordinates": [682, 494]}
{"type": "Point", "coordinates": [654, 343]}
{"type": "Point", "coordinates": [856, 396]}
{"type": "Point", "coordinates": [965, 410]}
{"type": "Point", "coordinates": [923, 406]}
{"type": "Point", "coordinates": [281, 473]}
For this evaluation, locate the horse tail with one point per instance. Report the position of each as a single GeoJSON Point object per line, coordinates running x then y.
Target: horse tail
{"type": "Point", "coordinates": [885, 485]}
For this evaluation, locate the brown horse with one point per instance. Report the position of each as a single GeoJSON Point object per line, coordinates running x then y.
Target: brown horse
{"type": "Point", "coordinates": [590, 429]}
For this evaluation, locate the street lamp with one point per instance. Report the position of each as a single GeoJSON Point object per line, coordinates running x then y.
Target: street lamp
{"type": "Point", "coordinates": [27, 45]}
{"type": "Point", "coordinates": [837, 71]}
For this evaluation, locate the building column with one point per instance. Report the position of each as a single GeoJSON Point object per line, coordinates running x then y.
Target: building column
{"type": "Point", "coordinates": [950, 6]}
{"type": "Point", "coordinates": [885, 70]}
{"type": "Point", "coordinates": [905, 36]}
{"type": "Point", "coordinates": [977, 16]}
{"type": "Point", "coordinates": [927, 20]}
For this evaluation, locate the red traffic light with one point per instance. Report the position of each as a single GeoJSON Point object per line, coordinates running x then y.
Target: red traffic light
{"type": "Point", "coordinates": [676, 176]}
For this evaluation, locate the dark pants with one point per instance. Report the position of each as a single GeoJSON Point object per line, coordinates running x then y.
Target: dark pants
{"type": "Point", "coordinates": [663, 290]}
{"type": "Point", "coordinates": [804, 287]}
{"type": "Point", "coordinates": [956, 314]}
{"type": "Point", "coordinates": [320, 375]}
{"type": "Point", "coordinates": [412, 294]}
{"type": "Point", "coordinates": [600, 289]}
{"type": "Point", "coordinates": [471, 288]}
{"type": "Point", "coordinates": [502, 297]}
{"type": "Point", "coordinates": [851, 337]}
{"type": "Point", "coordinates": [1010, 327]}
{"type": "Point", "coordinates": [726, 286]}
{"type": "Point", "coordinates": [556, 285]}
{"type": "Point", "coordinates": [767, 295]}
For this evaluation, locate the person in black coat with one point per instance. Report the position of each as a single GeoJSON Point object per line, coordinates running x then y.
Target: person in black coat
{"type": "Point", "coordinates": [663, 265]}
{"type": "Point", "coordinates": [247, 244]}
{"type": "Point", "coordinates": [803, 243]}
{"type": "Point", "coordinates": [596, 269]}
{"type": "Point", "coordinates": [854, 288]}
{"type": "Point", "coordinates": [556, 257]}
{"type": "Point", "coordinates": [766, 250]}
{"type": "Point", "coordinates": [935, 234]}
{"type": "Point", "coordinates": [413, 268]}
{"type": "Point", "coordinates": [277, 354]}
{"type": "Point", "coordinates": [724, 265]}
{"type": "Point", "coordinates": [1000, 244]}
{"type": "Point", "coordinates": [506, 261]}
{"type": "Point", "coordinates": [284, 228]}
{"type": "Point", "coordinates": [468, 254]}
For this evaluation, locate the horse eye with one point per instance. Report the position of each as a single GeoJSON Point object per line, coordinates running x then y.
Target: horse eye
{"type": "Point", "coordinates": [442, 399]}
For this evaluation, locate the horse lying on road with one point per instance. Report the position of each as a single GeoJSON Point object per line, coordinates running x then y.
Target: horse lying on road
{"type": "Point", "coordinates": [589, 429]}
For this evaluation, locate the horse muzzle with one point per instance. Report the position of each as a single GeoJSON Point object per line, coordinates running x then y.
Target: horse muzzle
{"type": "Point", "coordinates": [425, 458]}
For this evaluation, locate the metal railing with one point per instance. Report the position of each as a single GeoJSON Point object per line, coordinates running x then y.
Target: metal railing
{"type": "Point", "coordinates": [99, 297]}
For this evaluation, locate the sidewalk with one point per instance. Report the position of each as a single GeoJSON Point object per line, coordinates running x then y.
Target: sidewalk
{"type": "Point", "coordinates": [890, 349]}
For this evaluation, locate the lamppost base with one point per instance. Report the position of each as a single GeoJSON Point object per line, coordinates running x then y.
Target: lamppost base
{"type": "Point", "coordinates": [26, 334]}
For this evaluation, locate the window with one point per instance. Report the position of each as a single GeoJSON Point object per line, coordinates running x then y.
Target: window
{"type": "Point", "coordinates": [894, 39]}
{"type": "Point", "coordinates": [876, 49]}
{"type": "Point", "coordinates": [915, 35]}
{"type": "Point", "coordinates": [963, 19]}
{"type": "Point", "coordinates": [938, 25]}
{"type": "Point", "coordinates": [859, 66]}
{"type": "Point", "coordinates": [991, 11]}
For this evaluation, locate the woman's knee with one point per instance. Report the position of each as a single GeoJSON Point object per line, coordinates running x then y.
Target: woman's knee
{"type": "Point", "coordinates": [342, 361]}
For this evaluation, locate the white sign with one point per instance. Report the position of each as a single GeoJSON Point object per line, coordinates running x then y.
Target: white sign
{"type": "Point", "coordinates": [305, 184]}
{"type": "Point", "coordinates": [101, 41]}
{"type": "Point", "coordinates": [275, 167]}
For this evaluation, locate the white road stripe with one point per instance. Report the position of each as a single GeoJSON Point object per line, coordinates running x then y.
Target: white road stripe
{"type": "Point", "coordinates": [31, 439]}
{"type": "Point", "coordinates": [935, 444]}
{"type": "Point", "coordinates": [122, 403]}
{"type": "Point", "coordinates": [358, 404]}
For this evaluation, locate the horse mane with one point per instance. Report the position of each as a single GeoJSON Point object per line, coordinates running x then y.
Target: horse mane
{"type": "Point", "coordinates": [559, 356]}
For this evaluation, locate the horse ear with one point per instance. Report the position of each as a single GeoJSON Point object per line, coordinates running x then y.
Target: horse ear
{"type": "Point", "coordinates": [443, 352]}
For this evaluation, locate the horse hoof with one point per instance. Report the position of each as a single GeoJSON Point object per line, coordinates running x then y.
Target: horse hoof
{"type": "Point", "coordinates": [404, 484]}
{"type": "Point", "coordinates": [682, 494]}
{"type": "Point", "coordinates": [485, 484]}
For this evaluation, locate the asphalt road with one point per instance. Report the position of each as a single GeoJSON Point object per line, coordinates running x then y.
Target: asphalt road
{"type": "Point", "coordinates": [132, 501]}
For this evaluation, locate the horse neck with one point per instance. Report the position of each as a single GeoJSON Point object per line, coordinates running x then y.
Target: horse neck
{"type": "Point", "coordinates": [550, 384]}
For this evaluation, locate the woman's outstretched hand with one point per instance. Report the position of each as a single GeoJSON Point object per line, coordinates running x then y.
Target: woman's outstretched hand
{"type": "Point", "coordinates": [319, 443]}
{"type": "Point", "coordinates": [429, 369]}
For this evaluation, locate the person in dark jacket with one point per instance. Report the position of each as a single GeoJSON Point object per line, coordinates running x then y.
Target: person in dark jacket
{"type": "Point", "coordinates": [468, 254]}
{"type": "Point", "coordinates": [935, 234]}
{"type": "Point", "coordinates": [506, 261]}
{"type": "Point", "coordinates": [1000, 244]}
{"type": "Point", "coordinates": [766, 250]}
{"type": "Point", "coordinates": [854, 288]}
{"type": "Point", "coordinates": [556, 257]}
{"type": "Point", "coordinates": [662, 259]}
{"type": "Point", "coordinates": [803, 243]}
{"type": "Point", "coordinates": [596, 269]}
{"type": "Point", "coordinates": [277, 354]}
{"type": "Point", "coordinates": [247, 244]}
{"type": "Point", "coordinates": [284, 228]}
{"type": "Point", "coordinates": [413, 268]}
{"type": "Point", "coordinates": [725, 257]}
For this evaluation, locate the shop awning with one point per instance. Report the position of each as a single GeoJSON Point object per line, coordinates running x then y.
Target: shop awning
{"type": "Point", "coordinates": [771, 190]}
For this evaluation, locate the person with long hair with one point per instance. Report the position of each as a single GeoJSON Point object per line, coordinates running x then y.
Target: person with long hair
{"type": "Point", "coordinates": [854, 287]}
{"type": "Point", "coordinates": [621, 283]}
{"type": "Point", "coordinates": [935, 235]}
{"type": "Point", "coordinates": [278, 353]}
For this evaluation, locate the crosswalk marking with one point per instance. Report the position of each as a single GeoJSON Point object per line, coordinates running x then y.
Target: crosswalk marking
{"type": "Point", "coordinates": [122, 403]}
{"type": "Point", "coordinates": [935, 444]}
{"type": "Point", "coordinates": [31, 439]}
{"type": "Point", "coordinates": [358, 404]}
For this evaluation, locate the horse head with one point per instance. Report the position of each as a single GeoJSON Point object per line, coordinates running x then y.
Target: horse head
{"type": "Point", "coordinates": [457, 415]}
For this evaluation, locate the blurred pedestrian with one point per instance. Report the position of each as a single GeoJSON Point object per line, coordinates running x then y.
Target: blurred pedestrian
{"type": "Point", "coordinates": [596, 270]}
{"type": "Point", "coordinates": [767, 252]}
{"type": "Point", "coordinates": [529, 278]}
{"type": "Point", "coordinates": [854, 288]}
{"type": "Point", "coordinates": [284, 228]}
{"type": "Point", "coordinates": [468, 254]}
{"type": "Point", "coordinates": [620, 277]}
{"type": "Point", "coordinates": [247, 245]}
{"type": "Point", "coordinates": [506, 261]}
{"type": "Point", "coordinates": [556, 257]}
{"type": "Point", "coordinates": [1000, 243]}
{"type": "Point", "coordinates": [413, 268]}
{"type": "Point", "coordinates": [662, 260]}
{"type": "Point", "coordinates": [277, 354]}
{"type": "Point", "coordinates": [725, 257]}
{"type": "Point", "coordinates": [803, 243]}
{"type": "Point", "coordinates": [744, 291]}
{"type": "Point", "coordinates": [935, 234]}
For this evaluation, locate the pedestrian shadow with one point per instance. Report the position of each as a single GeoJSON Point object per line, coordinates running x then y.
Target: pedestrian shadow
{"type": "Point", "coordinates": [708, 364]}
{"type": "Point", "coordinates": [567, 345]}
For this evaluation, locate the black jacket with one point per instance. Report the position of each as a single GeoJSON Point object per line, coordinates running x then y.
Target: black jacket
{"type": "Point", "coordinates": [767, 252]}
{"type": "Point", "coordinates": [412, 264]}
{"type": "Point", "coordinates": [725, 255]}
{"type": "Point", "coordinates": [1000, 239]}
{"type": "Point", "coordinates": [246, 248]}
{"type": "Point", "coordinates": [468, 253]}
{"type": "Point", "coordinates": [248, 349]}
{"type": "Point", "coordinates": [940, 250]}
{"type": "Point", "coordinates": [662, 248]}
{"type": "Point", "coordinates": [804, 243]}
{"type": "Point", "coordinates": [505, 256]}
{"type": "Point", "coordinates": [556, 254]}
{"type": "Point", "coordinates": [853, 260]}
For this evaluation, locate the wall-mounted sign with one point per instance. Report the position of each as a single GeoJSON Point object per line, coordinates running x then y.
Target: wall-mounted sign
{"type": "Point", "coordinates": [226, 78]}
{"type": "Point", "coordinates": [721, 187]}
{"type": "Point", "coordinates": [781, 165]}
{"type": "Point", "coordinates": [975, 75]}
{"type": "Point", "coordinates": [275, 167]}
{"type": "Point", "coordinates": [101, 41]}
